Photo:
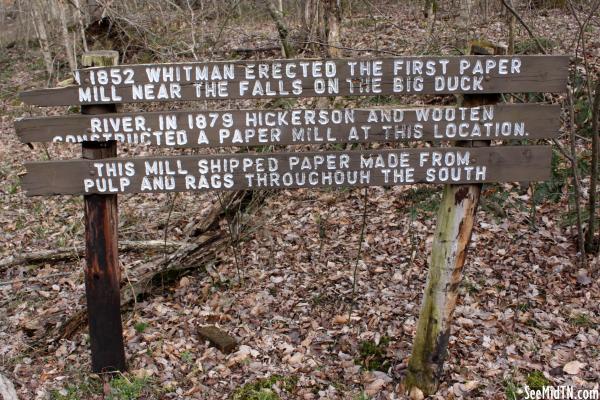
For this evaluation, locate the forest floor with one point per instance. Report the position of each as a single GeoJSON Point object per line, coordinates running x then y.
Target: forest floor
{"type": "Point", "coordinates": [525, 314]}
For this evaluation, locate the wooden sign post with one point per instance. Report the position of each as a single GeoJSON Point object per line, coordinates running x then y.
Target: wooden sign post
{"type": "Point", "coordinates": [454, 226]}
{"type": "Point", "coordinates": [102, 272]}
{"type": "Point", "coordinates": [100, 176]}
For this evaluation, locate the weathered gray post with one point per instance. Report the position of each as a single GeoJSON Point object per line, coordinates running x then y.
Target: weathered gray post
{"type": "Point", "coordinates": [102, 273]}
{"type": "Point", "coordinates": [452, 236]}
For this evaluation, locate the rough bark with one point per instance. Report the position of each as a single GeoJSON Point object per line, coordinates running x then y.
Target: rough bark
{"type": "Point", "coordinates": [454, 226]}
{"type": "Point", "coordinates": [333, 26]}
{"type": "Point", "coordinates": [80, 17]}
{"type": "Point", "coordinates": [42, 34]}
{"type": "Point", "coordinates": [511, 29]}
{"type": "Point", "coordinates": [66, 36]}
{"type": "Point", "coordinates": [591, 244]}
{"type": "Point", "coordinates": [287, 49]}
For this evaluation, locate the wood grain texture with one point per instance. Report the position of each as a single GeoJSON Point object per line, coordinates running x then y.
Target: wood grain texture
{"type": "Point", "coordinates": [218, 338]}
{"type": "Point", "coordinates": [329, 169]}
{"type": "Point", "coordinates": [454, 224]}
{"type": "Point", "coordinates": [284, 127]}
{"type": "Point", "coordinates": [102, 272]}
{"type": "Point", "coordinates": [309, 78]}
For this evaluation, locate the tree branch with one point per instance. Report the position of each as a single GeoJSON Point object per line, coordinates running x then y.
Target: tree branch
{"type": "Point", "coordinates": [527, 28]}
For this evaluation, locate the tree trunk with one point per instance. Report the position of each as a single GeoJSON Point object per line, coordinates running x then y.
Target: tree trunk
{"type": "Point", "coordinates": [511, 29]}
{"type": "Point", "coordinates": [455, 220]}
{"type": "Point", "coordinates": [67, 42]}
{"type": "Point", "coordinates": [40, 29]}
{"type": "Point", "coordinates": [591, 245]}
{"type": "Point", "coordinates": [287, 49]}
{"type": "Point", "coordinates": [333, 26]}
{"type": "Point", "coordinates": [80, 16]}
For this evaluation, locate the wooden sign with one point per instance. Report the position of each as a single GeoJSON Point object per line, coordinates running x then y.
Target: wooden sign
{"type": "Point", "coordinates": [100, 176]}
{"type": "Point", "coordinates": [301, 126]}
{"type": "Point", "coordinates": [308, 78]}
{"type": "Point", "coordinates": [288, 170]}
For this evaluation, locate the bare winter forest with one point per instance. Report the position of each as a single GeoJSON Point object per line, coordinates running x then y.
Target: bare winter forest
{"type": "Point", "coordinates": [321, 289]}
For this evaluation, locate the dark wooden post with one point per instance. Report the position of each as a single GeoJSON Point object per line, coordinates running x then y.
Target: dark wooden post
{"type": "Point", "coordinates": [454, 226]}
{"type": "Point", "coordinates": [102, 273]}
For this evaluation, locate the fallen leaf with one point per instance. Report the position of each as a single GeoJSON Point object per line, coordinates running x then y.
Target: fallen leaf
{"type": "Point", "coordinates": [295, 359]}
{"type": "Point", "coordinates": [416, 394]}
{"type": "Point", "coordinates": [340, 319]}
{"type": "Point", "coordinates": [374, 387]}
{"type": "Point", "coordinates": [183, 282]}
{"type": "Point", "coordinates": [573, 367]}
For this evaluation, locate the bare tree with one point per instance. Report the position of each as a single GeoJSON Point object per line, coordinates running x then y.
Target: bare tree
{"type": "Point", "coordinates": [286, 48]}
{"type": "Point", "coordinates": [590, 242]}
{"type": "Point", "coordinates": [333, 26]}
{"type": "Point", "coordinates": [80, 17]}
{"type": "Point", "coordinates": [64, 27]}
{"type": "Point", "coordinates": [39, 25]}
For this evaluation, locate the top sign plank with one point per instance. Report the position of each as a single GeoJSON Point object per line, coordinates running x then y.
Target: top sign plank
{"type": "Point", "coordinates": [308, 78]}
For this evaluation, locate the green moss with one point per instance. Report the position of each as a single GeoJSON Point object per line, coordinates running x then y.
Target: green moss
{"type": "Point", "coordinates": [140, 327]}
{"type": "Point", "coordinates": [537, 381]}
{"type": "Point", "coordinates": [262, 389]}
{"type": "Point", "coordinates": [122, 388]}
{"type": "Point", "coordinates": [512, 390]}
{"type": "Point", "coordinates": [77, 391]}
{"type": "Point", "coordinates": [187, 357]}
{"type": "Point", "coordinates": [372, 356]}
{"type": "Point", "coordinates": [582, 320]}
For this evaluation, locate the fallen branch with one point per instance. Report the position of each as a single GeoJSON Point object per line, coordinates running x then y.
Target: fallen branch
{"type": "Point", "coordinates": [253, 49]}
{"type": "Point", "coordinates": [78, 251]}
{"type": "Point", "coordinates": [35, 278]}
{"type": "Point", "coordinates": [207, 242]}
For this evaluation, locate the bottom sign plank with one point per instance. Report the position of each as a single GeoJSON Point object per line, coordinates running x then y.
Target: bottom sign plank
{"type": "Point", "coordinates": [289, 170]}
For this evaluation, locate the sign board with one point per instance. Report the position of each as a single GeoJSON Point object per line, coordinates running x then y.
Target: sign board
{"type": "Point", "coordinates": [101, 176]}
{"type": "Point", "coordinates": [288, 170]}
{"type": "Point", "coordinates": [226, 80]}
{"type": "Point", "coordinates": [195, 128]}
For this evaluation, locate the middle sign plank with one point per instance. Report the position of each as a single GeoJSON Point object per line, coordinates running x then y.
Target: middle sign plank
{"type": "Point", "coordinates": [270, 79]}
{"type": "Point", "coordinates": [289, 170]}
{"type": "Point", "coordinates": [285, 127]}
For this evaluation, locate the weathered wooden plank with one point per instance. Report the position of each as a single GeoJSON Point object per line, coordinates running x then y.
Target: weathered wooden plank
{"type": "Point", "coordinates": [288, 170]}
{"type": "Point", "coordinates": [218, 338]}
{"type": "Point", "coordinates": [195, 128]}
{"type": "Point", "coordinates": [102, 272]}
{"type": "Point", "coordinates": [309, 78]}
